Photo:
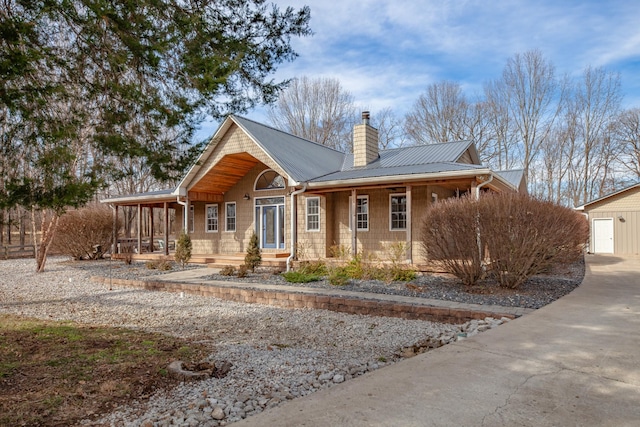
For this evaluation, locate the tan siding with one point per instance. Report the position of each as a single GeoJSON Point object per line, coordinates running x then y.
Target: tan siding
{"type": "Point", "coordinates": [626, 234]}
{"type": "Point", "coordinates": [626, 201]}
{"type": "Point", "coordinates": [312, 244]}
{"type": "Point", "coordinates": [466, 158]}
{"type": "Point", "coordinates": [225, 242]}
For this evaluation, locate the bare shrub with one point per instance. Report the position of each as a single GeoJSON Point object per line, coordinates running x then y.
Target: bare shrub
{"type": "Point", "coordinates": [85, 233]}
{"type": "Point", "coordinates": [525, 236]}
{"type": "Point", "coordinates": [228, 270]}
{"type": "Point", "coordinates": [449, 235]}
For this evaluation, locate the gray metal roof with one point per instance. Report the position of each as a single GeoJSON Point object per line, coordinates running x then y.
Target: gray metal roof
{"type": "Point", "coordinates": [606, 196]}
{"type": "Point", "coordinates": [302, 159]}
{"type": "Point", "coordinates": [418, 155]}
{"type": "Point", "coordinates": [370, 172]}
{"type": "Point", "coordinates": [513, 177]}
{"type": "Point", "coordinates": [149, 195]}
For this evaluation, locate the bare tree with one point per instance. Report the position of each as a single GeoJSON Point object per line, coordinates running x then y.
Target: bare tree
{"type": "Point", "coordinates": [319, 110]}
{"type": "Point", "coordinates": [504, 144]}
{"type": "Point", "coordinates": [596, 101]}
{"type": "Point", "coordinates": [626, 130]}
{"type": "Point", "coordinates": [390, 130]}
{"type": "Point", "coordinates": [439, 115]}
{"type": "Point", "coordinates": [530, 91]}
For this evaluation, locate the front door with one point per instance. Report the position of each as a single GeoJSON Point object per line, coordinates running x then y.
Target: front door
{"type": "Point", "coordinates": [269, 227]}
{"type": "Point", "coordinates": [270, 222]}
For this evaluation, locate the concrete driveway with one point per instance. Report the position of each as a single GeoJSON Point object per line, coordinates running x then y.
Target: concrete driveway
{"type": "Point", "coordinates": [575, 362]}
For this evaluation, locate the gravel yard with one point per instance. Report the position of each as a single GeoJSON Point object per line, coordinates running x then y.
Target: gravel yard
{"type": "Point", "coordinates": [277, 354]}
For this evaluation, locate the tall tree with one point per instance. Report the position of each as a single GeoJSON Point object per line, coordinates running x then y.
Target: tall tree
{"type": "Point", "coordinates": [596, 101]}
{"type": "Point", "coordinates": [626, 130]}
{"type": "Point", "coordinates": [532, 97]}
{"type": "Point", "coordinates": [438, 115]}
{"type": "Point", "coordinates": [319, 110]}
{"type": "Point", "coordinates": [139, 75]}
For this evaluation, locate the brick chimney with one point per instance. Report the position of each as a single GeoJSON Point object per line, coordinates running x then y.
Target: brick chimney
{"type": "Point", "coordinates": [365, 142]}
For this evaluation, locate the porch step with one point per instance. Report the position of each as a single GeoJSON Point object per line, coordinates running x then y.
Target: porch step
{"type": "Point", "coordinates": [217, 261]}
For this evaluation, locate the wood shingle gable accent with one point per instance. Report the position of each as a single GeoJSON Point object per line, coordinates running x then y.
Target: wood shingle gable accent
{"type": "Point", "coordinates": [231, 158]}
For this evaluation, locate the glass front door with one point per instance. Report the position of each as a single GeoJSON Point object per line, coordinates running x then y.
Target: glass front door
{"type": "Point", "coordinates": [270, 222]}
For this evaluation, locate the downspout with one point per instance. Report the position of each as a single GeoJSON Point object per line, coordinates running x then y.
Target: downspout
{"type": "Point", "coordinates": [294, 222]}
{"type": "Point", "coordinates": [478, 222]}
{"type": "Point", "coordinates": [482, 184]}
{"type": "Point", "coordinates": [186, 214]}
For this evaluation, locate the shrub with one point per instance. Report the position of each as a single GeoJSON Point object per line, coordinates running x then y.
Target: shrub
{"type": "Point", "coordinates": [253, 258]}
{"type": "Point", "coordinates": [164, 265]}
{"type": "Point", "coordinates": [85, 233]}
{"type": "Point", "coordinates": [338, 276]}
{"type": "Point", "coordinates": [317, 268]}
{"type": "Point", "coordinates": [183, 249]}
{"type": "Point", "coordinates": [522, 236]}
{"type": "Point", "coordinates": [242, 271]}
{"type": "Point", "coordinates": [228, 270]}
{"type": "Point", "coordinates": [525, 236]}
{"type": "Point", "coordinates": [450, 235]}
{"type": "Point", "coordinates": [300, 277]}
{"type": "Point", "coordinates": [151, 265]}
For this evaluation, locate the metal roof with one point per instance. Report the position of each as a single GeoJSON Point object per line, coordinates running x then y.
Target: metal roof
{"type": "Point", "coordinates": [166, 194]}
{"type": "Point", "coordinates": [419, 169]}
{"type": "Point", "coordinates": [302, 159]}
{"type": "Point", "coordinates": [513, 177]}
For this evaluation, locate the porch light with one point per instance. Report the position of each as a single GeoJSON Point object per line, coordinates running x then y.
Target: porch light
{"type": "Point", "coordinates": [246, 196]}
{"type": "Point", "coordinates": [621, 218]}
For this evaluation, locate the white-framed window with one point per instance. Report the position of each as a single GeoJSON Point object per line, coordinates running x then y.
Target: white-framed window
{"type": "Point", "coordinates": [313, 213]}
{"type": "Point", "coordinates": [398, 211]}
{"type": "Point", "coordinates": [192, 214]}
{"type": "Point", "coordinates": [230, 216]}
{"type": "Point", "coordinates": [362, 213]}
{"type": "Point", "coordinates": [211, 218]}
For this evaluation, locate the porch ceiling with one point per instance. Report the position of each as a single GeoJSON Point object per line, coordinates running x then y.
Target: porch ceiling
{"type": "Point", "coordinates": [222, 176]}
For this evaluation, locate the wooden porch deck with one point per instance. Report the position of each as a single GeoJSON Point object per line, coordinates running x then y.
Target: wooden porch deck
{"type": "Point", "coordinates": [275, 260]}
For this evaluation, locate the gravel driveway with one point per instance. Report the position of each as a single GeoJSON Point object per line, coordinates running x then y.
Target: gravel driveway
{"type": "Point", "coordinates": [277, 354]}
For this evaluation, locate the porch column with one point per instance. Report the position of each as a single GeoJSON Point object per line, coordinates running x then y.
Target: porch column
{"type": "Point", "coordinates": [139, 228]}
{"type": "Point", "coordinates": [151, 229]}
{"type": "Point", "coordinates": [409, 232]}
{"type": "Point", "coordinates": [354, 222]}
{"type": "Point", "coordinates": [114, 248]}
{"type": "Point", "coordinates": [474, 190]}
{"type": "Point", "coordinates": [166, 228]}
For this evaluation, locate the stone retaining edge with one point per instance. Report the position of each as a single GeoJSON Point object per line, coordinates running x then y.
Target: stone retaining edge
{"type": "Point", "coordinates": [317, 301]}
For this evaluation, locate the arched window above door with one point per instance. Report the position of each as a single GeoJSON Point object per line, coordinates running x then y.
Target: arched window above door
{"type": "Point", "coordinates": [269, 180]}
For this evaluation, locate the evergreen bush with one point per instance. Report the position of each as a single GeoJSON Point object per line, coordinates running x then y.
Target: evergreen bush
{"type": "Point", "coordinates": [183, 249]}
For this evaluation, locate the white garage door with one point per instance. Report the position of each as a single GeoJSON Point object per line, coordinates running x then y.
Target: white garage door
{"type": "Point", "coordinates": [603, 236]}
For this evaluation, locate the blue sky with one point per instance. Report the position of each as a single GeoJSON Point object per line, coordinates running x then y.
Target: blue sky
{"type": "Point", "coordinates": [386, 52]}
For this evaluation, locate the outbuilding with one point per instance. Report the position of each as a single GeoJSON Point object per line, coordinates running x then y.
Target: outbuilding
{"type": "Point", "coordinates": [614, 220]}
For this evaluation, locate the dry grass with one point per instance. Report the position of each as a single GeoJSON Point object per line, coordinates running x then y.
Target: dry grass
{"type": "Point", "coordinates": [58, 373]}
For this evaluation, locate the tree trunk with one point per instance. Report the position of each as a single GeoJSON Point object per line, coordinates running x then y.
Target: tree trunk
{"type": "Point", "coordinates": [49, 224]}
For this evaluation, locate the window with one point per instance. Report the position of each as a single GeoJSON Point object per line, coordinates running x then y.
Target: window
{"type": "Point", "coordinates": [230, 218]}
{"type": "Point", "coordinates": [269, 180]}
{"type": "Point", "coordinates": [313, 213]}
{"type": "Point", "coordinates": [398, 211]}
{"type": "Point", "coordinates": [212, 218]}
{"type": "Point", "coordinates": [191, 219]}
{"type": "Point", "coordinates": [362, 213]}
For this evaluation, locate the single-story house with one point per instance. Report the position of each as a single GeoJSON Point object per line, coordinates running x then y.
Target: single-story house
{"type": "Point", "coordinates": [303, 198]}
{"type": "Point", "coordinates": [614, 221]}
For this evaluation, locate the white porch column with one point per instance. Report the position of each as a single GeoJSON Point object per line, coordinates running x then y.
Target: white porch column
{"type": "Point", "coordinates": [354, 222]}
{"type": "Point", "coordinates": [139, 228]}
{"type": "Point", "coordinates": [409, 227]}
{"type": "Point", "coordinates": [166, 228]}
